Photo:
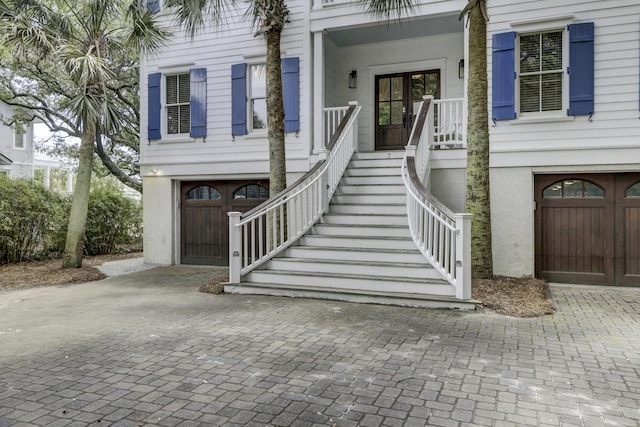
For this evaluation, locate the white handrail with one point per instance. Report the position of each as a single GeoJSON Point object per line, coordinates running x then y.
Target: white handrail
{"type": "Point", "coordinates": [443, 237]}
{"type": "Point", "coordinates": [332, 118]}
{"type": "Point", "coordinates": [260, 234]}
{"type": "Point", "coordinates": [449, 127]}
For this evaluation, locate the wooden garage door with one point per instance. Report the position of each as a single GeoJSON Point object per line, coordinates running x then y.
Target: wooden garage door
{"type": "Point", "coordinates": [587, 228]}
{"type": "Point", "coordinates": [204, 237]}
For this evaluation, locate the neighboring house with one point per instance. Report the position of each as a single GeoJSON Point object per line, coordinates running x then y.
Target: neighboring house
{"type": "Point", "coordinates": [20, 158]}
{"type": "Point", "coordinates": [563, 97]}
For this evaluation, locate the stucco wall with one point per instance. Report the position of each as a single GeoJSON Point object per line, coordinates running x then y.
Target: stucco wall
{"type": "Point", "coordinates": [158, 209]}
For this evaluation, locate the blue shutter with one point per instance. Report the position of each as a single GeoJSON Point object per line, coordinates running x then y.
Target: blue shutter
{"type": "Point", "coordinates": [239, 99]}
{"type": "Point", "coordinates": [581, 60]}
{"type": "Point", "coordinates": [154, 107]}
{"type": "Point", "coordinates": [153, 6]}
{"type": "Point", "coordinates": [198, 102]}
{"type": "Point", "coordinates": [291, 93]}
{"type": "Point", "coordinates": [503, 76]}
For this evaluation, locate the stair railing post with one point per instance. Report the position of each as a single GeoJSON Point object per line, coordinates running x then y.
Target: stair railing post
{"type": "Point", "coordinates": [354, 130]}
{"type": "Point", "coordinates": [235, 248]}
{"type": "Point", "coordinates": [323, 182]}
{"type": "Point", "coordinates": [463, 255]}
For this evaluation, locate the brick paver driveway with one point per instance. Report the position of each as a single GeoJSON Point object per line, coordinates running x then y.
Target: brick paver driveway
{"type": "Point", "coordinates": [147, 349]}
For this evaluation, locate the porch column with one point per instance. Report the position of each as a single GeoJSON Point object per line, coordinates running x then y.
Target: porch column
{"type": "Point", "coordinates": [465, 94]}
{"type": "Point", "coordinates": [318, 91]}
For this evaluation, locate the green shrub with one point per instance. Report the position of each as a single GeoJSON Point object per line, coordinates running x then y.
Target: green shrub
{"type": "Point", "coordinates": [29, 218]}
{"type": "Point", "coordinates": [113, 221]}
{"type": "Point", "coordinates": [33, 221]}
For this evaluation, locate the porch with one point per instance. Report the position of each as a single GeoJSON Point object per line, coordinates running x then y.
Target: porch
{"type": "Point", "coordinates": [387, 67]}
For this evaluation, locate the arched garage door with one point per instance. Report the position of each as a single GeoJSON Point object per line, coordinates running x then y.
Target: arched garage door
{"type": "Point", "coordinates": [204, 237]}
{"type": "Point", "coordinates": [588, 228]}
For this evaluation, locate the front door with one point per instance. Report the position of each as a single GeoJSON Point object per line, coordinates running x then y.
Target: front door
{"type": "Point", "coordinates": [204, 237]}
{"type": "Point", "coordinates": [397, 99]}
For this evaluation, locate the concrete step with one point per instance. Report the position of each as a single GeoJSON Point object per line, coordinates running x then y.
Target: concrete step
{"type": "Point", "coordinates": [389, 171]}
{"type": "Point", "coordinates": [349, 283]}
{"type": "Point", "coordinates": [397, 154]}
{"type": "Point", "coordinates": [356, 254]}
{"type": "Point", "coordinates": [371, 189]}
{"type": "Point", "coordinates": [369, 199]}
{"type": "Point", "coordinates": [372, 163]}
{"type": "Point", "coordinates": [369, 209]}
{"type": "Point", "coordinates": [372, 180]}
{"type": "Point", "coordinates": [364, 219]}
{"type": "Point", "coordinates": [350, 267]}
{"type": "Point", "coordinates": [362, 242]}
{"type": "Point", "coordinates": [363, 229]}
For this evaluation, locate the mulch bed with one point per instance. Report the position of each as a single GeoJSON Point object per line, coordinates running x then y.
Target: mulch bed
{"type": "Point", "coordinates": [514, 296]}
{"type": "Point", "coordinates": [32, 274]}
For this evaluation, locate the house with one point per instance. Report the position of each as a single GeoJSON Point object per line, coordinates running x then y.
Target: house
{"type": "Point", "coordinates": [20, 158]}
{"type": "Point", "coordinates": [564, 87]}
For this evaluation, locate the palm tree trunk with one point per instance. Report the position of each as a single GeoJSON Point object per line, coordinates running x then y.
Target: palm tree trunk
{"type": "Point", "coordinates": [275, 113]}
{"type": "Point", "coordinates": [74, 246]}
{"type": "Point", "coordinates": [477, 181]}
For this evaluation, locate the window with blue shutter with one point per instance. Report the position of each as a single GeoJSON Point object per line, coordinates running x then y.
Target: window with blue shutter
{"type": "Point", "coordinates": [581, 69]}
{"type": "Point", "coordinates": [154, 107]}
{"type": "Point", "coordinates": [503, 76]}
{"type": "Point", "coordinates": [291, 93]}
{"type": "Point", "coordinates": [239, 99]}
{"type": "Point", "coordinates": [153, 6]}
{"type": "Point", "coordinates": [198, 102]}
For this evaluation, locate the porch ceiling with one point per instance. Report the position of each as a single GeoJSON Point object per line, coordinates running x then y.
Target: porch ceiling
{"type": "Point", "coordinates": [396, 30]}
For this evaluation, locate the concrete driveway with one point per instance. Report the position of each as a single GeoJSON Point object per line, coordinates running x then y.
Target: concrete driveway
{"type": "Point", "coordinates": [147, 349]}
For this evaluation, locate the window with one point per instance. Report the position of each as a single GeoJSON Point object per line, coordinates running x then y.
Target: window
{"type": "Point", "coordinates": [177, 103]}
{"type": "Point", "coordinates": [258, 96]}
{"type": "Point", "coordinates": [18, 140]}
{"type": "Point", "coordinates": [184, 110]}
{"type": "Point", "coordinates": [541, 72]}
{"type": "Point", "coordinates": [248, 96]}
{"type": "Point", "coordinates": [633, 191]}
{"type": "Point", "coordinates": [153, 6]}
{"type": "Point", "coordinates": [204, 192]}
{"type": "Point", "coordinates": [536, 75]}
{"type": "Point", "coordinates": [572, 189]}
{"type": "Point", "coordinates": [252, 191]}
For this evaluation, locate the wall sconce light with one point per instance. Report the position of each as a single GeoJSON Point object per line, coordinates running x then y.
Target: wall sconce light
{"type": "Point", "coordinates": [461, 69]}
{"type": "Point", "coordinates": [353, 79]}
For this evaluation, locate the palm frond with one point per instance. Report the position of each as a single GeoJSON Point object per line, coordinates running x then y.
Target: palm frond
{"type": "Point", "coordinates": [388, 9]}
{"type": "Point", "coordinates": [194, 15]}
{"type": "Point", "coordinates": [143, 31]}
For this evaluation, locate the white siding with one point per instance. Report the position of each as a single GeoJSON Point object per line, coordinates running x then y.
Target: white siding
{"type": "Point", "coordinates": [615, 122]}
{"type": "Point", "coordinates": [520, 149]}
{"type": "Point", "coordinates": [232, 43]}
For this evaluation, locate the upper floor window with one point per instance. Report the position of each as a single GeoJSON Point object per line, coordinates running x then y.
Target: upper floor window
{"type": "Point", "coordinates": [541, 72]}
{"type": "Point", "coordinates": [249, 97]}
{"type": "Point", "coordinates": [550, 71]}
{"type": "Point", "coordinates": [153, 6]}
{"type": "Point", "coordinates": [19, 140]}
{"type": "Point", "coordinates": [177, 103]}
{"type": "Point", "coordinates": [258, 96]}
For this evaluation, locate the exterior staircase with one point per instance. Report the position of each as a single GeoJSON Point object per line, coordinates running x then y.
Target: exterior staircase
{"type": "Point", "coordinates": [361, 250]}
